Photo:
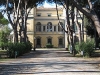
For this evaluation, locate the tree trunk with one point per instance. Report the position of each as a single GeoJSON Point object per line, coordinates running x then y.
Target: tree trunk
{"type": "Point", "coordinates": [15, 35]}
{"type": "Point", "coordinates": [89, 13]}
{"type": "Point", "coordinates": [68, 21]}
{"type": "Point", "coordinates": [24, 20]}
{"type": "Point", "coordinates": [72, 30]}
{"type": "Point", "coordinates": [15, 19]}
{"type": "Point", "coordinates": [96, 21]}
{"type": "Point", "coordinates": [78, 26]}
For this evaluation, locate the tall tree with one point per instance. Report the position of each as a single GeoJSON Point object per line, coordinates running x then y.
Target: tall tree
{"type": "Point", "coordinates": [88, 10]}
{"type": "Point", "coordinates": [18, 10]}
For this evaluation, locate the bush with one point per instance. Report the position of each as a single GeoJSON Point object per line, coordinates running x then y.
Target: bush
{"type": "Point", "coordinates": [19, 48]}
{"type": "Point", "coordinates": [49, 46]}
{"type": "Point", "coordinates": [86, 47]}
{"type": "Point", "coordinates": [2, 45]}
{"type": "Point", "coordinates": [77, 48]}
{"type": "Point", "coordinates": [28, 46]}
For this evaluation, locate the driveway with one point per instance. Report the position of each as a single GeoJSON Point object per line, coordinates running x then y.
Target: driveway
{"type": "Point", "coordinates": [50, 62]}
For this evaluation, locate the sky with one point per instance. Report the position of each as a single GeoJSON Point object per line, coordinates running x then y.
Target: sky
{"type": "Point", "coordinates": [46, 5]}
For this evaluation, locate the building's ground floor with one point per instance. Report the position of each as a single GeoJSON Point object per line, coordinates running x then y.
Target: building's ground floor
{"type": "Point", "coordinates": [57, 40]}
{"type": "Point", "coordinates": [40, 41]}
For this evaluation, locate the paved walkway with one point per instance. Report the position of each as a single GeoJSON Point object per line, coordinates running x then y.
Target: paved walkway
{"type": "Point", "coordinates": [50, 62]}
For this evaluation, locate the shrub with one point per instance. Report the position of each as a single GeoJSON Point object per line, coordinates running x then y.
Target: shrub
{"type": "Point", "coordinates": [86, 47]}
{"type": "Point", "coordinates": [2, 45]}
{"type": "Point", "coordinates": [77, 48]}
{"type": "Point", "coordinates": [10, 51]}
{"type": "Point", "coordinates": [28, 46]}
{"type": "Point", "coordinates": [19, 48]}
{"type": "Point", "coordinates": [49, 46]}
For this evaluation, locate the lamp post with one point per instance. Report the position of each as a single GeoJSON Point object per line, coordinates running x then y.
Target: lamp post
{"type": "Point", "coordinates": [34, 44]}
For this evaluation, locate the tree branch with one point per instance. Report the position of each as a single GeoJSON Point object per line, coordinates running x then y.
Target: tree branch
{"type": "Point", "coordinates": [59, 19]}
{"type": "Point", "coordinates": [90, 4]}
{"type": "Point", "coordinates": [83, 10]}
{"type": "Point", "coordinates": [9, 18]}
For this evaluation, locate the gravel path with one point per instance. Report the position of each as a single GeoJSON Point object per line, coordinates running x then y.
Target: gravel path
{"type": "Point", "coordinates": [50, 62]}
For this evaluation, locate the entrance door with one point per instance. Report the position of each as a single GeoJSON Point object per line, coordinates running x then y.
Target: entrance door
{"type": "Point", "coordinates": [60, 42]}
{"type": "Point", "coordinates": [38, 42]}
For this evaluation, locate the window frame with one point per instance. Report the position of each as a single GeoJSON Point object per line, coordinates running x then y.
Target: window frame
{"type": "Point", "coordinates": [49, 14]}
{"type": "Point", "coordinates": [49, 27]}
{"type": "Point", "coordinates": [38, 27]}
{"type": "Point", "coordinates": [49, 40]}
{"type": "Point", "coordinates": [38, 14]}
{"type": "Point", "coordinates": [60, 41]}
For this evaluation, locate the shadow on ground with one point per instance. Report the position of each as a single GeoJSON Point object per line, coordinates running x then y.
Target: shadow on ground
{"type": "Point", "coordinates": [47, 54]}
{"type": "Point", "coordinates": [47, 62]}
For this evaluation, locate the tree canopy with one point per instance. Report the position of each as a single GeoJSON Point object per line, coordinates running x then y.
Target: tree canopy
{"type": "Point", "coordinates": [3, 21]}
{"type": "Point", "coordinates": [14, 7]}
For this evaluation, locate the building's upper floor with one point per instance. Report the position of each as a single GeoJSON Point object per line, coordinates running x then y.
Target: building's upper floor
{"type": "Point", "coordinates": [48, 13]}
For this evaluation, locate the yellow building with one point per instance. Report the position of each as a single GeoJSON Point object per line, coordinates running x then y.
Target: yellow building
{"type": "Point", "coordinates": [43, 27]}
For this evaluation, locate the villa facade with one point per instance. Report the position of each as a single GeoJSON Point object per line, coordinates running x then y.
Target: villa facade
{"type": "Point", "coordinates": [43, 27]}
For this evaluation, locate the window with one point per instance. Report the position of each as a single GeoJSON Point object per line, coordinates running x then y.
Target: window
{"type": "Point", "coordinates": [49, 27]}
{"type": "Point", "coordinates": [38, 14]}
{"type": "Point", "coordinates": [44, 28]}
{"type": "Point", "coordinates": [38, 41]}
{"type": "Point", "coordinates": [49, 15]}
{"type": "Point", "coordinates": [60, 15]}
{"type": "Point", "coordinates": [60, 25]}
{"type": "Point", "coordinates": [60, 41]}
{"type": "Point", "coordinates": [49, 40]}
{"type": "Point", "coordinates": [54, 28]}
{"type": "Point", "coordinates": [38, 26]}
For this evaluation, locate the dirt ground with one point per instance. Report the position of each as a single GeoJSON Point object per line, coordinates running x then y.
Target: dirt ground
{"type": "Point", "coordinates": [50, 62]}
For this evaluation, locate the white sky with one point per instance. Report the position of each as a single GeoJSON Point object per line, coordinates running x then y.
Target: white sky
{"type": "Point", "coordinates": [46, 5]}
